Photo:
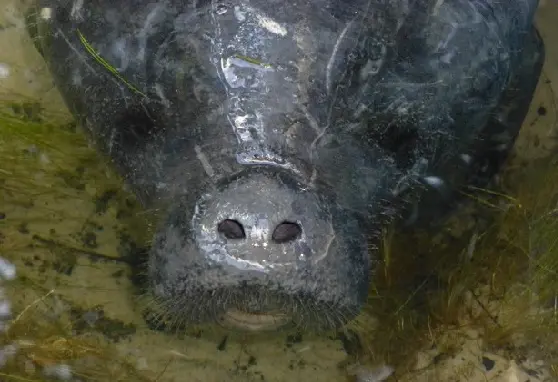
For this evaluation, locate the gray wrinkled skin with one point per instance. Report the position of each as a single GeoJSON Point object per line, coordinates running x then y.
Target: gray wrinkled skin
{"type": "Point", "coordinates": [279, 136]}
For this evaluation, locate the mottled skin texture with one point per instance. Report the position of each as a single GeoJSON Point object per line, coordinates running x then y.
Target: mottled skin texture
{"type": "Point", "coordinates": [278, 137]}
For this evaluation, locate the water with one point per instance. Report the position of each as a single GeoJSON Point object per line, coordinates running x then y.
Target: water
{"type": "Point", "coordinates": [67, 223]}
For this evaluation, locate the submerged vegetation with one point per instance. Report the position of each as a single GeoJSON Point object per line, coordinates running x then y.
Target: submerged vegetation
{"type": "Point", "coordinates": [497, 276]}
{"type": "Point", "coordinates": [46, 169]}
{"type": "Point", "coordinates": [496, 280]}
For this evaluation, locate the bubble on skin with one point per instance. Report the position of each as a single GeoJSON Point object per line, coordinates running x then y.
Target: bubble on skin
{"type": "Point", "coordinates": [271, 25]}
{"type": "Point", "coordinates": [433, 181]}
{"type": "Point", "coordinates": [221, 9]}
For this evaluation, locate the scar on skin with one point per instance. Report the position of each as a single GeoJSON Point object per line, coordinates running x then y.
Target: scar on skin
{"type": "Point", "coordinates": [203, 160]}
{"type": "Point", "coordinates": [437, 6]}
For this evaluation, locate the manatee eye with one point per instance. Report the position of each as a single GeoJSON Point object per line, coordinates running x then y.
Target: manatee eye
{"type": "Point", "coordinates": [401, 141]}
{"type": "Point", "coordinates": [62, 15]}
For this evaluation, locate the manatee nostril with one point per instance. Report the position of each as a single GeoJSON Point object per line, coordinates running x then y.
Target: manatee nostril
{"type": "Point", "coordinates": [285, 232]}
{"type": "Point", "coordinates": [231, 229]}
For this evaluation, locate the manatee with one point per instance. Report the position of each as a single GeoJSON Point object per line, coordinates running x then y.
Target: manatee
{"type": "Point", "coordinates": [277, 138]}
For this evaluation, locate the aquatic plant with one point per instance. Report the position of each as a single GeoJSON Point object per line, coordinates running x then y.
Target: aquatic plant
{"type": "Point", "coordinates": [495, 277]}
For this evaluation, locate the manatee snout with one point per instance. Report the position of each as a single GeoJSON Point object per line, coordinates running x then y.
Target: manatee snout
{"type": "Point", "coordinates": [258, 251]}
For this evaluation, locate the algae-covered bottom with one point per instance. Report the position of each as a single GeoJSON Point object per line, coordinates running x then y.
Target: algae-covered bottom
{"type": "Point", "coordinates": [474, 303]}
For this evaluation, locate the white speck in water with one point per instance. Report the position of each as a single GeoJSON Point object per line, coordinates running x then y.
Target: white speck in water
{"type": "Point", "coordinates": [5, 308]}
{"type": "Point", "coordinates": [61, 372]}
{"type": "Point", "coordinates": [46, 13]}
{"type": "Point", "coordinates": [7, 269]}
{"type": "Point", "coordinates": [4, 70]}
{"type": "Point", "coordinates": [466, 158]}
{"type": "Point", "coordinates": [433, 181]}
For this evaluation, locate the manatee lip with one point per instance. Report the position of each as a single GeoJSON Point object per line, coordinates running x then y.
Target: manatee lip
{"type": "Point", "coordinates": [255, 321]}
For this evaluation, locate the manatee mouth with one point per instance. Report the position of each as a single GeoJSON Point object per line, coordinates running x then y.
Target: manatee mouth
{"type": "Point", "coordinates": [255, 321]}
